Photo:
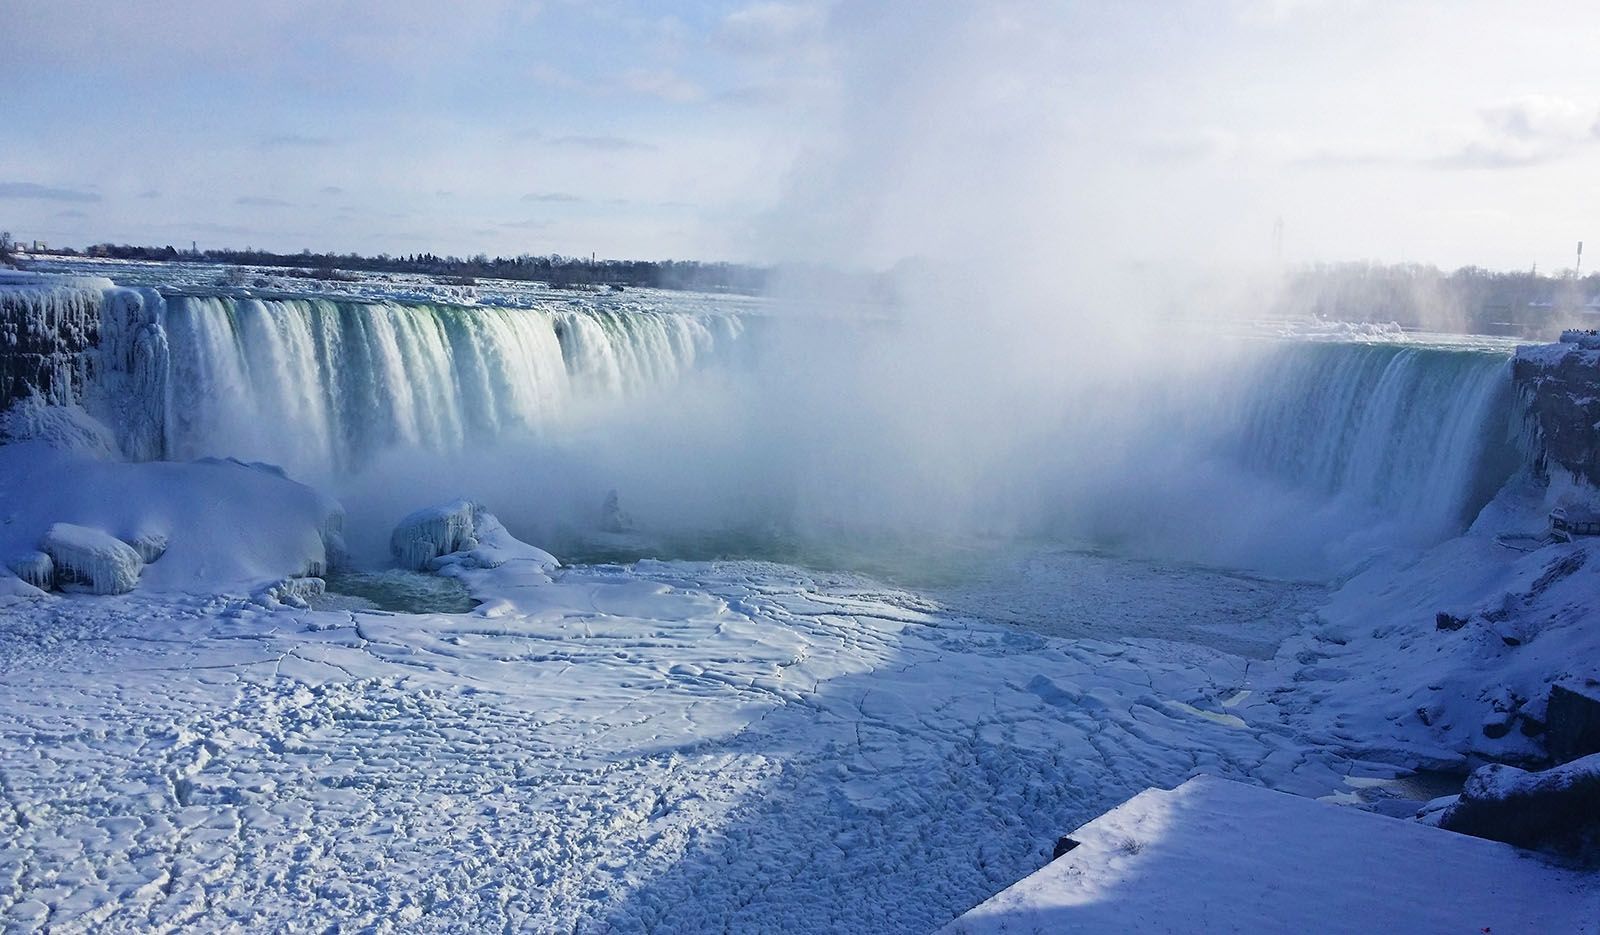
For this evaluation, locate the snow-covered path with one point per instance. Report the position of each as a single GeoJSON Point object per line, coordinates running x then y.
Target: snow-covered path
{"type": "Point", "coordinates": [731, 746]}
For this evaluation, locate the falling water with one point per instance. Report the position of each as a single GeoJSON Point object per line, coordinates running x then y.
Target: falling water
{"type": "Point", "coordinates": [317, 384]}
{"type": "Point", "coordinates": [1414, 431]}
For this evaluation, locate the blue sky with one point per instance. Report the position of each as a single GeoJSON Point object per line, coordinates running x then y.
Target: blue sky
{"type": "Point", "coordinates": [1448, 132]}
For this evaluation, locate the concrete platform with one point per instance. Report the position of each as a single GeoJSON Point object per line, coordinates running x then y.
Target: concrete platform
{"type": "Point", "coordinates": [1219, 856]}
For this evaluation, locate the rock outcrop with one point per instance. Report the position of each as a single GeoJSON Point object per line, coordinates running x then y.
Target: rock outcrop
{"type": "Point", "coordinates": [81, 341]}
{"type": "Point", "coordinates": [1557, 809]}
{"type": "Point", "coordinates": [1559, 385]}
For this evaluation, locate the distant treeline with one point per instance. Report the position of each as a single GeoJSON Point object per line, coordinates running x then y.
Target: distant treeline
{"type": "Point", "coordinates": [560, 271]}
{"type": "Point", "coordinates": [1470, 299]}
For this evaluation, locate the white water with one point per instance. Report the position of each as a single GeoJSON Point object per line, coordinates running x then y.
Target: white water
{"type": "Point", "coordinates": [1415, 432]}
{"type": "Point", "coordinates": [322, 386]}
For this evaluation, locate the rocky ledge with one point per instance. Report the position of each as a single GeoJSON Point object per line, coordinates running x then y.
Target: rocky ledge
{"type": "Point", "coordinates": [1560, 386]}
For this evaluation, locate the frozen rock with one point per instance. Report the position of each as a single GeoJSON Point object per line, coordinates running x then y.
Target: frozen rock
{"type": "Point", "coordinates": [1557, 808]}
{"type": "Point", "coordinates": [291, 592]}
{"type": "Point", "coordinates": [612, 519]}
{"type": "Point", "coordinates": [36, 569]}
{"type": "Point", "coordinates": [427, 534]}
{"type": "Point", "coordinates": [1497, 724]}
{"type": "Point", "coordinates": [459, 534]}
{"type": "Point", "coordinates": [91, 560]}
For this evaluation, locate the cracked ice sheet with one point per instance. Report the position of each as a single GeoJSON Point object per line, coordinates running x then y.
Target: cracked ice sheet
{"type": "Point", "coordinates": [670, 747]}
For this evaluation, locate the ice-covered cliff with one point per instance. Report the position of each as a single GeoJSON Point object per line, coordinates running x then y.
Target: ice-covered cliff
{"type": "Point", "coordinates": [1560, 387]}
{"type": "Point", "coordinates": [323, 384]}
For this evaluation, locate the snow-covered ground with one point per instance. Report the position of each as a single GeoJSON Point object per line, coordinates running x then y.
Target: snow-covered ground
{"type": "Point", "coordinates": [667, 746]}
{"type": "Point", "coordinates": [671, 746]}
{"type": "Point", "coordinates": [1215, 856]}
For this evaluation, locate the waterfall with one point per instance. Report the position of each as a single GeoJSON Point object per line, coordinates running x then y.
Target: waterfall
{"type": "Point", "coordinates": [1415, 432]}
{"type": "Point", "coordinates": [319, 384]}
{"type": "Point", "coordinates": [1311, 441]}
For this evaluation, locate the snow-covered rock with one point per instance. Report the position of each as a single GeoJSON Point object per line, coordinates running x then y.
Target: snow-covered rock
{"type": "Point", "coordinates": [460, 533]}
{"type": "Point", "coordinates": [91, 560]}
{"type": "Point", "coordinates": [1558, 807]}
{"type": "Point", "coordinates": [1377, 665]}
{"type": "Point", "coordinates": [423, 536]}
{"type": "Point", "coordinates": [291, 592]}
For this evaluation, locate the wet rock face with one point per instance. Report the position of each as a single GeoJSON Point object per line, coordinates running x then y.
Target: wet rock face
{"type": "Point", "coordinates": [1560, 384]}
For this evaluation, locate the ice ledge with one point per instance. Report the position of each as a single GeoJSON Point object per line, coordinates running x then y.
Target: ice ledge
{"type": "Point", "coordinates": [1213, 855]}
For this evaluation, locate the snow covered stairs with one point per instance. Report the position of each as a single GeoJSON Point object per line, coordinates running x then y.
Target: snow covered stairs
{"type": "Point", "coordinates": [1220, 856]}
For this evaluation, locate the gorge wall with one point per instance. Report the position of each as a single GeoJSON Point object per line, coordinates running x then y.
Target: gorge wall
{"type": "Point", "coordinates": [1559, 385]}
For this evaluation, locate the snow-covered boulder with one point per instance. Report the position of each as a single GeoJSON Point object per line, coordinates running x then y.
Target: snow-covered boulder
{"type": "Point", "coordinates": [291, 592]}
{"type": "Point", "coordinates": [462, 534]}
{"type": "Point", "coordinates": [91, 560]}
{"type": "Point", "coordinates": [1558, 807]}
{"type": "Point", "coordinates": [425, 535]}
{"type": "Point", "coordinates": [34, 568]}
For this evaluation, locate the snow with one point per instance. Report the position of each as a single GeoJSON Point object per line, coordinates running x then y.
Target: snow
{"type": "Point", "coordinates": [67, 427]}
{"type": "Point", "coordinates": [226, 524]}
{"type": "Point", "coordinates": [1497, 781]}
{"type": "Point", "coordinates": [1376, 671]}
{"type": "Point", "coordinates": [669, 746]}
{"type": "Point", "coordinates": [1212, 856]}
{"type": "Point", "coordinates": [665, 747]}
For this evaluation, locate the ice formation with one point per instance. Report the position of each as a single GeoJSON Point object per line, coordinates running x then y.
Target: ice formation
{"type": "Point", "coordinates": [36, 569]}
{"type": "Point", "coordinates": [459, 533]}
{"type": "Point", "coordinates": [423, 536]}
{"type": "Point", "coordinates": [91, 560]}
{"type": "Point", "coordinates": [150, 545]}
